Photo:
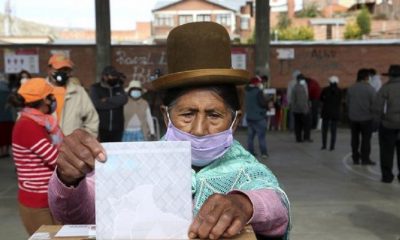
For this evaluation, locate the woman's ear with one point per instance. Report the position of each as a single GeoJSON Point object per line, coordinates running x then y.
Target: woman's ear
{"type": "Point", "coordinates": [164, 113]}
{"type": "Point", "coordinates": [238, 119]}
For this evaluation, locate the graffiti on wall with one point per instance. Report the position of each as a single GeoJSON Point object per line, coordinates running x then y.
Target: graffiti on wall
{"type": "Point", "coordinates": [140, 67]}
{"type": "Point", "coordinates": [321, 60]}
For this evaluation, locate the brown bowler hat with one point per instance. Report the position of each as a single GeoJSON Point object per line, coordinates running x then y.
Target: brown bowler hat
{"type": "Point", "coordinates": [199, 54]}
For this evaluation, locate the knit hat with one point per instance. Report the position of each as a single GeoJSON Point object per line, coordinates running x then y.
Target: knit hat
{"type": "Point", "coordinates": [334, 79]}
{"type": "Point", "coordinates": [35, 89]}
{"type": "Point", "coordinates": [255, 80]}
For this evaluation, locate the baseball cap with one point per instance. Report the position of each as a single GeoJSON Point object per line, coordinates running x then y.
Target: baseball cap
{"type": "Point", "coordinates": [58, 61]}
{"type": "Point", "coordinates": [35, 89]}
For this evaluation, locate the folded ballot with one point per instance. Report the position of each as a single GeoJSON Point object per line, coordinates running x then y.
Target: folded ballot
{"type": "Point", "coordinates": [143, 191]}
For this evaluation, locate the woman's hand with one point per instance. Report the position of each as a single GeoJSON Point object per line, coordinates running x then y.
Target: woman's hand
{"type": "Point", "coordinates": [77, 156]}
{"type": "Point", "coordinates": [222, 216]}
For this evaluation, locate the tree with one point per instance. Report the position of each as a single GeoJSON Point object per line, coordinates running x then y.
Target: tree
{"type": "Point", "coordinates": [283, 21]}
{"type": "Point", "coordinates": [309, 11]}
{"type": "Point", "coordinates": [364, 21]}
{"type": "Point", "coordinates": [296, 33]}
{"type": "Point", "coordinates": [352, 31]}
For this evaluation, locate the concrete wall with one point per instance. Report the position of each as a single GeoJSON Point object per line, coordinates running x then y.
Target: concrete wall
{"type": "Point", "coordinates": [317, 61]}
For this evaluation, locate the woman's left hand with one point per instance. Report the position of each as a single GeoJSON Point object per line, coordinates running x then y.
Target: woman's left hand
{"type": "Point", "coordinates": [221, 216]}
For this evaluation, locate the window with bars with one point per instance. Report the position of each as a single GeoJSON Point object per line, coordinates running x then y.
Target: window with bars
{"type": "Point", "coordinates": [203, 18]}
{"type": "Point", "coordinates": [245, 23]}
{"type": "Point", "coordinates": [185, 19]}
{"type": "Point", "coordinates": [164, 20]}
{"type": "Point", "coordinates": [224, 19]}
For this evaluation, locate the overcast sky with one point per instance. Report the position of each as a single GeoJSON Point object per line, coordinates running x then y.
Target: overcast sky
{"type": "Point", "coordinates": [80, 13]}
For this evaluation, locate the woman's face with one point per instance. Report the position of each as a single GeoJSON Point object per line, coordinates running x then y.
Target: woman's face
{"type": "Point", "coordinates": [201, 112]}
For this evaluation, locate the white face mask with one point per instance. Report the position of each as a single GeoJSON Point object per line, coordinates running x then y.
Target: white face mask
{"type": "Point", "coordinates": [302, 82]}
{"type": "Point", "coordinates": [136, 93]}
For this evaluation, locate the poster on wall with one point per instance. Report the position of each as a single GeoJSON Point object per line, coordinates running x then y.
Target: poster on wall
{"type": "Point", "coordinates": [285, 53]}
{"type": "Point", "coordinates": [238, 59]}
{"type": "Point", "coordinates": [21, 59]}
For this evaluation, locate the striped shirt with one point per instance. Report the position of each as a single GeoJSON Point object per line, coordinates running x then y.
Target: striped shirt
{"type": "Point", "coordinates": [35, 159]}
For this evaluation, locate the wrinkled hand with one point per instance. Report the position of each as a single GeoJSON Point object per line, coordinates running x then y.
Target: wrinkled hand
{"type": "Point", "coordinates": [77, 155]}
{"type": "Point", "coordinates": [221, 216]}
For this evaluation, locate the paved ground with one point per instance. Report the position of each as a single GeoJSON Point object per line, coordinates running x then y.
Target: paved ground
{"type": "Point", "coordinates": [330, 198]}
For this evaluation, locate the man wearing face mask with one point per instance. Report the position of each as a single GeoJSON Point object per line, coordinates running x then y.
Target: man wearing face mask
{"type": "Point", "coordinates": [109, 98]}
{"type": "Point", "coordinates": [139, 123]}
{"type": "Point", "coordinates": [256, 109]}
{"type": "Point", "coordinates": [74, 107]}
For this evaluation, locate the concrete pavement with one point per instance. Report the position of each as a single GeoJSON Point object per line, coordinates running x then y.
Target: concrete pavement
{"type": "Point", "coordinates": [330, 198]}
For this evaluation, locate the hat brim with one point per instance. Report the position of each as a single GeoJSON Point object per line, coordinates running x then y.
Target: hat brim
{"type": "Point", "coordinates": [201, 77]}
{"type": "Point", "coordinates": [62, 64]}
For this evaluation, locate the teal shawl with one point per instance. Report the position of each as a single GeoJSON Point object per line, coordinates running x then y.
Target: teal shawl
{"type": "Point", "coordinates": [237, 169]}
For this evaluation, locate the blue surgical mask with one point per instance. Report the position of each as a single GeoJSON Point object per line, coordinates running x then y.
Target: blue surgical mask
{"type": "Point", "coordinates": [136, 93]}
{"type": "Point", "coordinates": [205, 149]}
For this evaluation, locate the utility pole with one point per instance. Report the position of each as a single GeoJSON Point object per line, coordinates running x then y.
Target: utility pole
{"type": "Point", "coordinates": [262, 38]}
{"type": "Point", "coordinates": [103, 36]}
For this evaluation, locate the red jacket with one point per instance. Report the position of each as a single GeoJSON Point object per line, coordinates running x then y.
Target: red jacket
{"type": "Point", "coordinates": [314, 90]}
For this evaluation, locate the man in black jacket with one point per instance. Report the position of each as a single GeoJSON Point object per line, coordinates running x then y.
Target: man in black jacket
{"type": "Point", "coordinates": [109, 98]}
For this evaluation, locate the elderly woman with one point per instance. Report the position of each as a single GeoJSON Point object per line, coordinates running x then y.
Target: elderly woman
{"type": "Point", "coordinates": [230, 187]}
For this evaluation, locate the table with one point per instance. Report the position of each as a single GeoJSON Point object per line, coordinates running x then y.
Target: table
{"type": "Point", "coordinates": [51, 230]}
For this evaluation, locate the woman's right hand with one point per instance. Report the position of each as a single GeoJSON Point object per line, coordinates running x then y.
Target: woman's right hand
{"type": "Point", "coordinates": [77, 155]}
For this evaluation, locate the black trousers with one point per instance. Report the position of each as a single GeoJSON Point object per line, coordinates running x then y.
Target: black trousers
{"type": "Point", "coordinates": [302, 126]}
{"type": "Point", "coordinates": [363, 129]}
{"type": "Point", "coordinates": [329, 124]}
{"type": "Point", "coordinates": [314, 113]}
{"type": "Point", "coordinates": [110, 136]}
{"type": "Point", "coordinates": [389, 142]}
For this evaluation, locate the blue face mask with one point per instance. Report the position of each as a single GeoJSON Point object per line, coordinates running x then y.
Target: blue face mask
{"type": "Point", "coordinates": [136, 93]}
{"type": "Point", "coordinates": [52, 106]}
{"type": "Point", "coordinates": [205, 149]}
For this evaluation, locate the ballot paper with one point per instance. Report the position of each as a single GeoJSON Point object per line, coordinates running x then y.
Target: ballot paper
{"type": "Point", "coordinates": [143, 191]}
{"type": "Point", "coordinates": [88, 231]}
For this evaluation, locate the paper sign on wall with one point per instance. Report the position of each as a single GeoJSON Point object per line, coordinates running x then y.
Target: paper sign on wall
{"type": "Point", "coordinates": [21, 59]}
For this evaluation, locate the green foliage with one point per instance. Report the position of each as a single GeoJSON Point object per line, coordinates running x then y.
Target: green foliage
{"type": "Point", "coordinates": [252, 39]}
{"type": "Point", "coordinates": [364, 21]}
{"type": "Point", "coordinates": [309, 11]}
{"type": "Point", "coordinates": [283, 21]}
{"type": "Point", "coordinates": [296, 33]}
{"type": "Point", "coordinates": [352, 31]}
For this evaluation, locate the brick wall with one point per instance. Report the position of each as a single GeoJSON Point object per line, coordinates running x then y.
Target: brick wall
{"type": "Point", "coordinates": [317, 61]}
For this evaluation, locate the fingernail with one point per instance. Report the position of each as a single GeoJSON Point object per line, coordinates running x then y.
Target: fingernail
{"type": "Point", "coordinates": [101, 157]}
{"type": "Point", "coordinates": [192, 235]}
{"type": "Point", "coordinates": [211, 236]}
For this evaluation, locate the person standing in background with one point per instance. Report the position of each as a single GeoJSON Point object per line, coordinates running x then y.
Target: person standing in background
{"type": "Point", "coordinates": [6, 118]}
{"type": "Point", "coordinates": [359, 101]}
{"type": "Point", "coordinates": [331, 99]}
{"type": "Point", "coordinates": [23, 77]}
{"type": "Point", "coordinates": [139, 124]}
{"type": "Point", "coordinates": [289, 91]}
{"type": "Point", "coordinates": [36, 138]}
{"type": "Point", "coordinates": [109, 98]}
{"type": "Point", "coordinates": [314, 92]}
{"type": "Point", "coordinates": [256, 109]}
{"type": "Point", "coordinates": [375, 79]}
{"type": "Point", "coordinates": [386, 110]}
{"type": "Point", "coordinates": [74, 107]}
{"type": "Point", "coordinates": [300, 106]}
